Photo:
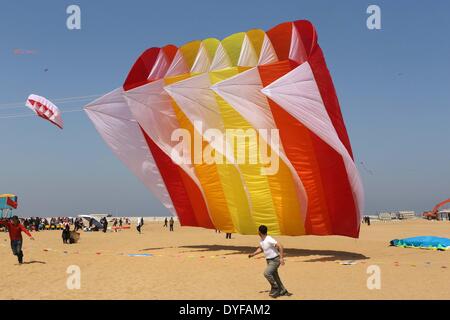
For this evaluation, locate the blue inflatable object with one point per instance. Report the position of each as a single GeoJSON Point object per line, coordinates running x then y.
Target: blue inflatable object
{"type": "Point", "coordinates": [424, 242]}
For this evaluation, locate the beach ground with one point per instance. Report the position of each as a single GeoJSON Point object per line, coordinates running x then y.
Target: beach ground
{"type": "Point", "coordinates": [193, 263]}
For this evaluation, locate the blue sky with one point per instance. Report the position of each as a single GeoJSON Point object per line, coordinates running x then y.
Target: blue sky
{"type": "Point", "coordinates": [393, 85]}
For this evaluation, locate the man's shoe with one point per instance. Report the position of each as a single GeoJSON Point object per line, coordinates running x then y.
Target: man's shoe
{"type": "Point", "coordinates": [273, 290]}
{"type": "Point", "coordinates": [285, 293]}
{"type": "Point", "coordinates": [275, 295]}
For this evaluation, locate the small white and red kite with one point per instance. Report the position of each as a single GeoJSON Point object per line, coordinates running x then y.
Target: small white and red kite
{"type": "Point", "coordinates": [45, 109]}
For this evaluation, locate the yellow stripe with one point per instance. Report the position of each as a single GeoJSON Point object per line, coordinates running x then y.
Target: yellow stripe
{"type": "Point", "coordinates": [286, 201]}
{"type": "Point", "coordinates": [263, 210]}
{"type": "Point", "coordinates": [256, 37]}
{"type": "Point", "coordinates": [274, 198]}
{"type": "Point", "coordinates": [233, 45]}
{"type": "Point", "coordinates": [189, 51]}
{"type": "Point", "coordinates": [211, 45]}
{"type": "Point", "coordinates": [224, 192]}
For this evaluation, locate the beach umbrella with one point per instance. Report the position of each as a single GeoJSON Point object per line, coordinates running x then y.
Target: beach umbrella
{"type": "Point", "coordinates": [8, 202]}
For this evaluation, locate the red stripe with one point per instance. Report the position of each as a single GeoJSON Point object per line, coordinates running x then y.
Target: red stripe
{"type": "Point", "coordinates": [186, 196]}
{"type": "Point", "coordinates": [42, 114]}
{"type": "Point", "coordinates": [329, 97]}
{"type": "Point", "coordinates": [280, 36]}
{"type": "Point", "coordinates": [330, 198]}
{"type": "Point", "coordinates": [340, 203]}
{"type": "Point", "coordinates": [324, 81]}
{"type": "Point", "coordinates": [343, 211]}
{"type": "Point", "coordinates": [339, 196]}
{"type": "Point", "coordinates": [141, 69]}
{"type": "Point", "coordinates": [174, 184]}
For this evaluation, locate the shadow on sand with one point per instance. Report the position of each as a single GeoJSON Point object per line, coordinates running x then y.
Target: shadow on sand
{"type": "Point", "coordinates": [34, 262]}
{"type": "Point", "coordinates": [324, 255]}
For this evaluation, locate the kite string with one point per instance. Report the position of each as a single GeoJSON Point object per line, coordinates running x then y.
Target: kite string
{"type": "Point", "coordinates": [14, 105]}
{"type": "Point", "coordinates": [66, 100]}
{"type": "Point", "coordinates": [22, 115]}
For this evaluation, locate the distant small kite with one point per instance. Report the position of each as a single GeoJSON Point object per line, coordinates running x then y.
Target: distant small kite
{"type": "Point", "coordinates": [366, 169]}
{"type": "Point", "coordinates": [24, 52]}
{"type": "Point", "coordinates": [45, 109]}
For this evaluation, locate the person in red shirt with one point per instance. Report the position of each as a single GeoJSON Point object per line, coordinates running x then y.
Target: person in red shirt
{"type": "Point", "coordinates": [15, 229]}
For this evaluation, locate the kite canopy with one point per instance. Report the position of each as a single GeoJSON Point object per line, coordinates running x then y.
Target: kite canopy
{"type": "Point", "coordinates": [45, 109]}
{"type": "Point", "coordinates": [275, 80]}
{"type": "Point", "coordinates": [423, 242]}
{"type": "Point", "coordinates": [115, 123]}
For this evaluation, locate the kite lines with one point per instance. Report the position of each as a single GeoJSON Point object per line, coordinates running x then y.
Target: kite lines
{"type": "Point", "coordinates": [66, 104]}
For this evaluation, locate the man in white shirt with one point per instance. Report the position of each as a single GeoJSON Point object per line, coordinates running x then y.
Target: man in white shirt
{"type": "Point", "coordinates": [140, 224]}
{"type": "Point", "coordinates": [273, 251]}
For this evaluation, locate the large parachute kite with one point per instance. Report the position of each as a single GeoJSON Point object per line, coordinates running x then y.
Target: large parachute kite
{"type": "Point", "coordinates": [274, 84]}
{"type": "Point", "coordinates": [45, 109]}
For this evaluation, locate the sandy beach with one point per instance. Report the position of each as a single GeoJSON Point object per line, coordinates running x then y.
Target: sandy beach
{"type": "Point", "coordinates": [193, 263]}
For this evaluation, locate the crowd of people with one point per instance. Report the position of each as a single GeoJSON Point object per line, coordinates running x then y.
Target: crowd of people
{"type": "Point", "coordinates": [68, 223]}
{"type": "Point", "coordinates": [62, 223]}
{"type": "Point", "coordinates": [38, 224]}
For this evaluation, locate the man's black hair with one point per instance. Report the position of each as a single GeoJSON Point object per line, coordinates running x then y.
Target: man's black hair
{"type": "Point", "coordinates": [262, 229]}
{"type": "Point", "coordinates": [15, 218]}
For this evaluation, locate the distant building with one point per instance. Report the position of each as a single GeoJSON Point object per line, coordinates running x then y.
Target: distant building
{"type": "Point", "coordinates": [405, 215]}
{"type": "Point", "coordinates": [384, 216]}
{"type": "Point", "coordinates": [444, 214]}
{"type": "Point", "coordinates": [394, 215]}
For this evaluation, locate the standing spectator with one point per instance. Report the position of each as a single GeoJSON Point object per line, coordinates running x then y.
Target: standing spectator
{"type": "Point", "coordinates": [140, 224]}
{"type": "Point", "coordinates": [115, 224]}
{"type": "Point", "coordinates": [171, 222]}
{"type": "Point", "coordinates": [66, 234]}
{"type": "Point", "coordinates": [165, 222]}
{"type": "Point", "coordinates": [105, 224]}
